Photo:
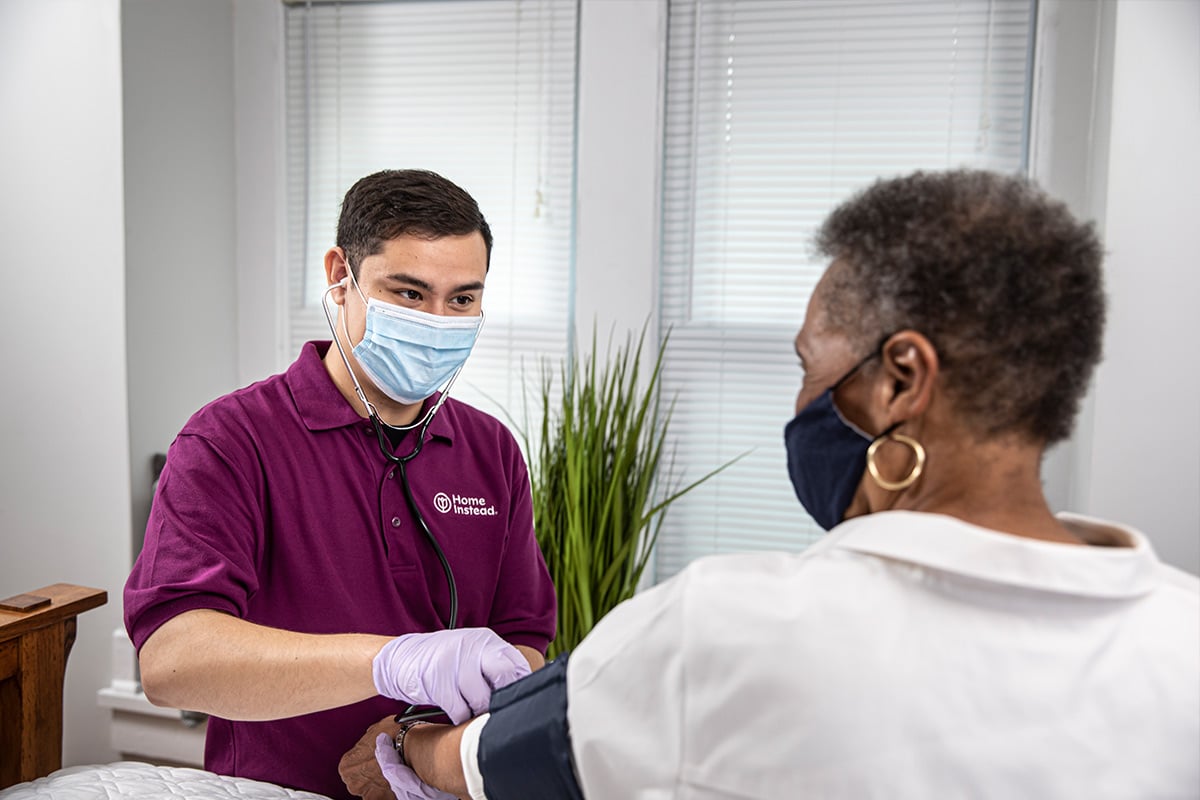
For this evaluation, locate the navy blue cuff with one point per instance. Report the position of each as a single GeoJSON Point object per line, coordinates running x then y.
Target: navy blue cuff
{"type": "Point", "coordinates": [525, 748]}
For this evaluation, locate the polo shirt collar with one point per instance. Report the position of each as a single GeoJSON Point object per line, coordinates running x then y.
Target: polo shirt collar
{"type": "Point", "coordinates": [322, 407]}
{"type": "Point", "coordinates": [1120, 564]}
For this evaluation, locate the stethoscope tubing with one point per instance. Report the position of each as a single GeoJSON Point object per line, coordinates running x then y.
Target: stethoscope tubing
{"type": "Point", "coordinates": [401, 464]}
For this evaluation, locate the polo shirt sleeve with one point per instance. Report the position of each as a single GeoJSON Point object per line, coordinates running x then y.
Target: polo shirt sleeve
{"type": "Point", "coordinates": [524, 606]}
{"type": "Point", "coordinates": [202, 540]}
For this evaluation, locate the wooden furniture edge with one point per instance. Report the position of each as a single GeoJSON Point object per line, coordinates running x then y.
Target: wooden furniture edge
{"type": "Point", "coordinates": [34, 646]}
{"type": "Point", "coordinates": [66, 600]}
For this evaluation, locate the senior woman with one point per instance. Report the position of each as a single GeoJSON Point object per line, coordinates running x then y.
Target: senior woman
{"type": "Point", "coordinates": [951, 636]}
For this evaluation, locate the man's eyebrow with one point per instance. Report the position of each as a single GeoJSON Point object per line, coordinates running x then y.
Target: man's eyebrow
{"type": "Point", "coordinates": [401, 277]}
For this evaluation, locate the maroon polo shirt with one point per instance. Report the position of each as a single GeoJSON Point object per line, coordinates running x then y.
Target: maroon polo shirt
{"type": "Point", "coordinates": [277, 506]}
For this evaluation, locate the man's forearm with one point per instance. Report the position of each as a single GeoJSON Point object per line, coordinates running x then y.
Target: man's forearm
{"type": "Point", "coordinates": [212, 662]}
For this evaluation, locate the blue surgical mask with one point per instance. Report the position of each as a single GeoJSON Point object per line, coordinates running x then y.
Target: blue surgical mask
{"type": "Point", "coordinates": [410, 354]}
{"type": "Point", "coordinates": [826, 456]}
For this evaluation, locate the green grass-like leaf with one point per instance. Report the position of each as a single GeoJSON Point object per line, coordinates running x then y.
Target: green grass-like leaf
{"type": "Point", "coordinates": [595, 469]}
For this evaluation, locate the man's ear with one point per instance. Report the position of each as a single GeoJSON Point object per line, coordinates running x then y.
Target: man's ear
{"type": "Point", "coordinates": [337, 271]}
{"type": "Point", "coordinates": [910, 362]}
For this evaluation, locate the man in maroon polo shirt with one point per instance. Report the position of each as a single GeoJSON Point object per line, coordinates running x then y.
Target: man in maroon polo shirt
{"type": "Point", "coordinates": [293, 541]}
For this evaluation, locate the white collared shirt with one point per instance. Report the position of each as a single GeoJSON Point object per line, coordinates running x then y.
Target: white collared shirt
{"type": "Point", "coordinates": [904, 655]}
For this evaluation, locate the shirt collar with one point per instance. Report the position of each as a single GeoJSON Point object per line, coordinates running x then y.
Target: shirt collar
{"type": "Point", "coordinates": [322, 407]}
{"type": "Point", "coordinates": [1119, 564]}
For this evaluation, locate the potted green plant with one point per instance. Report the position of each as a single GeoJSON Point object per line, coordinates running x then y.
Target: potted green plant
{"type": "Point", "coordinates": [597, 469]}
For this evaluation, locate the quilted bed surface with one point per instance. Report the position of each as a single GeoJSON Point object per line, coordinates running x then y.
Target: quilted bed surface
{"type": "Point", "coordinates": [135, 779]}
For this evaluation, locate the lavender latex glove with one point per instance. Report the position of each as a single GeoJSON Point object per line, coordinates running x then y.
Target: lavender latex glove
{"type": "Point", "coordinates": [404, 782]}
{"type": "Point", "coordinates": [455, 670]}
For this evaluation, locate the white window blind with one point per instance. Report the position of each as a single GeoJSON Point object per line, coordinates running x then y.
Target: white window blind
{"type": "Point", "coordinates": [480, 91]}
{"type": "Point", "coordinates": [777, 110]}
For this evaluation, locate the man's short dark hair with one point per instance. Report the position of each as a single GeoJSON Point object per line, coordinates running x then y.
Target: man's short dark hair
{"type": "Point", "coordinates": [405, 202]}
{"type": "Point", "coordinates": [1003, 280]}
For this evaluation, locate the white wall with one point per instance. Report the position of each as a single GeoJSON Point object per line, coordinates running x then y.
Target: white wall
{"type": "Point", "coordinates": [1144, 460]}
{"type": "Point", "coordinates": [64, 476]}
{"type": "Point", "coordinates": [262, 342]}
{"type": "Point", "coordinates": [180, 212]}
{"type": "Point", "coordinates": [118, 140]}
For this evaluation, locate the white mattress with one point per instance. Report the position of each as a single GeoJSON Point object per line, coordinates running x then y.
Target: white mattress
{"type": "Point", "coordinates": [135, 779]}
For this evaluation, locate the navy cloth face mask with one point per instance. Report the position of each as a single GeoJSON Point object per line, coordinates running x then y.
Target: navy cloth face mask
{"type": "Point", "coordinates": [826, 456]}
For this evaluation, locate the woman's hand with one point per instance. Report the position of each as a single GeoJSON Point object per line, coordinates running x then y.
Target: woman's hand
{"type": "Point", "coordinates": [372, 768]}
{"type": "Point", "coordinates": [403, 781]}
{"type": "Point", "coordinates": [359, 769]}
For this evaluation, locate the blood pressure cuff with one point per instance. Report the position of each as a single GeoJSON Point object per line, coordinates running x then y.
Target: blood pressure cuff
{"type": "Point", "coordinates": [525, 748]}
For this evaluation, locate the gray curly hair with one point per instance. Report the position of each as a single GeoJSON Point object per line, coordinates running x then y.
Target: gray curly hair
{"type": "Point", "coordinates": [1001, 278]}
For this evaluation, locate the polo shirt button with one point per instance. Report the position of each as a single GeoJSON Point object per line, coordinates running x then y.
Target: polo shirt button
{"type": "Point", "coordinates": [395, 522]}
{"type": "Point", "coordinates": [391, 474]}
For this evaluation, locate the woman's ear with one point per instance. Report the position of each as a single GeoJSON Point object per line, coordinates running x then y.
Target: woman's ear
{"type": "Point", "coordinates": [910, 362]}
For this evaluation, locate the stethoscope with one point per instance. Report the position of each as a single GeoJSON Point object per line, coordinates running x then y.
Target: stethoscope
{"type": "Point", "coordinates": [401, 464]}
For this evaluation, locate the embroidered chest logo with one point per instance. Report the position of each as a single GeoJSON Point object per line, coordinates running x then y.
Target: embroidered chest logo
{"type": "Point", "coordinates": [463, 505]}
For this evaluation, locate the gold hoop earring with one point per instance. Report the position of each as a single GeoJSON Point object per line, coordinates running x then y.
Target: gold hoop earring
{"type": "Point", "coordinates": [896, 486]}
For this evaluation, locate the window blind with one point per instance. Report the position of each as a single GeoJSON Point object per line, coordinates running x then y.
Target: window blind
{"type": "Point", "coordinates": [480, 91]}
{"type": "Point", "coordinates": [776, 111]}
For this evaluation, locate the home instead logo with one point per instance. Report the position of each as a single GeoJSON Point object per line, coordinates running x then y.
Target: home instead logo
{"type": "Point", "coordinates": [466, 506]}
